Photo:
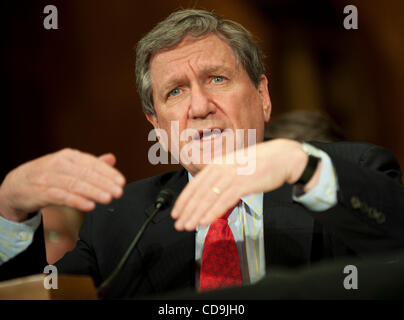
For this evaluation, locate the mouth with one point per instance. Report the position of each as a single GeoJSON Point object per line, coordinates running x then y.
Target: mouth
{"type": "Point", "coordinates": [208, 134]}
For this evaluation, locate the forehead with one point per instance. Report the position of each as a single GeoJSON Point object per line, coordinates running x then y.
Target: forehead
{"type": "Point", "coordinates": [203, 53]}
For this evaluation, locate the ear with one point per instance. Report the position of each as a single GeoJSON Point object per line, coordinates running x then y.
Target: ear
{"type": "Point", "coordinates": [161, 135]}
{"type": "Point", "coordinates": [153, 120]}
{"type": "Point", "coordinates": [265, 98]}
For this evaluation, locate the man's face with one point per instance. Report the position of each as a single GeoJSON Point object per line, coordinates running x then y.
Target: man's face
{"type": "Point", "coordinates": [200, 84]}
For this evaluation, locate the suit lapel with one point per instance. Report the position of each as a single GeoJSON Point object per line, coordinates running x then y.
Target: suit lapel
{"type": "Point", "coordinates": [287, 230]}
{"type": "Point", "coordinates": [170, 263]}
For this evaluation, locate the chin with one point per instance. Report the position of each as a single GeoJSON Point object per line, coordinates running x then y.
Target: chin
{"type": "Point", "coordinates": [194, 169]}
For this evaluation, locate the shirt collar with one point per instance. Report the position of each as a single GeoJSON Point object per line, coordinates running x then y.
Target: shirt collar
{"type": "Point", "coordinates": [255, 202]}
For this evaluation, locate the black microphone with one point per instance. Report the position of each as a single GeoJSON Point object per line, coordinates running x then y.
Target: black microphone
{"type": "Point", "coordinates": [164, 199]}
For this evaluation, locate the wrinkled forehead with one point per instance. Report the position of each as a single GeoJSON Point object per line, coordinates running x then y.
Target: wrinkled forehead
{"type": "Point", "coordinates": [189, 40]}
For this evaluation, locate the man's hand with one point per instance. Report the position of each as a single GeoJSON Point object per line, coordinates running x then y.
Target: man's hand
{"type": "Point", "coordinates": [67, 178]}
{"type": "Point", "coordinates": [219, 187]}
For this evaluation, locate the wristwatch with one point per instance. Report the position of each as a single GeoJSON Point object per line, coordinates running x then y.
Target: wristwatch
{"type": "Point", "coordinates": [310, 168]}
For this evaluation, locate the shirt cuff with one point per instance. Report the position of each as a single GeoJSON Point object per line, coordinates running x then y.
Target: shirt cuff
{"type": "Point", "coordinates": [324, 195]}
{"type": "Point", "coordinates": [15, 237]}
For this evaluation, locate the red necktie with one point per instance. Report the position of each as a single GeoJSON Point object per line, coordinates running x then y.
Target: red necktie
{"type": "Point", "coordinates": [220, 266]}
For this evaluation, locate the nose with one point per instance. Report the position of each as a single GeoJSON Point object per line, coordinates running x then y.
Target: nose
{"type": "Point", "coordinates": [201, 105]}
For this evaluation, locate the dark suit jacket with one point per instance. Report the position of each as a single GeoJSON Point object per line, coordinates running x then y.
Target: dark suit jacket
{"type": "Point", "coordinates": [368, 219]}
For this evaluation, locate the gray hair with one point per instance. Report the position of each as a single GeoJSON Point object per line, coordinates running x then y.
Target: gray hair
{"type": "Point", "coordinates": [197, 23]}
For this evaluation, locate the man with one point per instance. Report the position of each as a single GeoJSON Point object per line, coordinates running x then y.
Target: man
{"type": "Point", "coordinates": [301, 202]}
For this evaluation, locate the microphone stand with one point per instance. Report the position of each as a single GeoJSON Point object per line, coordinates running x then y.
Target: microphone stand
{"type": "Point", "coordinates": [164, 198]}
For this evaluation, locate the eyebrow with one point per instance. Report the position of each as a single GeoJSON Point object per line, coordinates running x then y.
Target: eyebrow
{"type": "Point", "coordinates": [172, 83]}
{"type": "Point", "coordinates": [216, 69]}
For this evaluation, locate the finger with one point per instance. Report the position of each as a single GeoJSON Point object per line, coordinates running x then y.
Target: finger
{"type": "Point", "coordinates": [227, 200]}
{"type": "Point", "coordinates": [92, 177]}
{"type": "Point", "coordinates": [98, 181]}
{"type": "Point", "coordinates": [208, 209]}
{"type": "Point", "coordinates": [203, 198]}
{"type": "Point", "coordinates": [189, 191]}
{"type": "Point", "coordinates": [108, 158]}
{"type": "Point", "coordinates": [191, 222]}
{"type": "Point", "coordinates": [87, 160]}
{"type": "Point", "coordinates": [183, 206]}
{"type": "Point", "coordinates": [202, 202]}
{"type": "Point", "coordinates": [80, 188]}
{"type": "Point", "coordinates": [63, 198]}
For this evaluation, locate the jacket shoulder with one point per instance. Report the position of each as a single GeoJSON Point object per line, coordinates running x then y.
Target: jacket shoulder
{"type": "Point", "coordinates": [364, 154]}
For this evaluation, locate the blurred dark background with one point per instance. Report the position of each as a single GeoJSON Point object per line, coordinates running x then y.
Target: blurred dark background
{"type": "Point", "coordinates": [74, 87]}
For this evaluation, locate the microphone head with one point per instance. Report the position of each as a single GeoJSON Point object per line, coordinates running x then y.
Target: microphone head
{"type": "Point", "coordinates": [164, 198]}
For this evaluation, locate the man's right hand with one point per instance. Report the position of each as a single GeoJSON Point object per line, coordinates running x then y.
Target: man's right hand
{"type": "Point", "coordinates": [68, 178]}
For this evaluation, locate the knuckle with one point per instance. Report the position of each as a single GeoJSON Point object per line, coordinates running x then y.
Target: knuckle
{"type": "Point", "coordinates": [85, 173]}
{"type": "Point", "coordinates": [73, 201]}
{"type": "Point", "coordinates": [66, 150]}
{"type": "Point", "coordinates": [70, 152]}
{"type": "Point", "coordinates": [43, 178]}
{"type": "Point", "coordinates": [57, 161]}
{"type": "Point", "coordinates": [72, 184]}
{"type": "Point", "coordinates": [56, 195]}
{"type": "Point", "coordinates": [70, 200]}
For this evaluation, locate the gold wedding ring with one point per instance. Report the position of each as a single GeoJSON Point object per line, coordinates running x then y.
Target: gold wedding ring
{"type": "Point", "coordinates": [216, 190]}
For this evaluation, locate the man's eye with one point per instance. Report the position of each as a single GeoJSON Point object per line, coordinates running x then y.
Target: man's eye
{"type": "Point", "coordinates": [174, 92]}
{"type": "Point", "coordinates": [218, 79]}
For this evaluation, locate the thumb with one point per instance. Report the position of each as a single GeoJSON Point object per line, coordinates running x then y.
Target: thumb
{"type": "Point", "coordinates": [108, 158]}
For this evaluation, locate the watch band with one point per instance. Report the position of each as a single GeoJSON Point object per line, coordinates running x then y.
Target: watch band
{"type": "Point", "coordinates": [308, 171]}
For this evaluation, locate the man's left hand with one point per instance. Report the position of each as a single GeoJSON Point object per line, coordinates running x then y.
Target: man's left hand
{"type": "Point", "coordinates": [219, 187]}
